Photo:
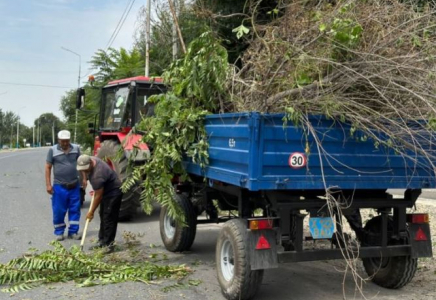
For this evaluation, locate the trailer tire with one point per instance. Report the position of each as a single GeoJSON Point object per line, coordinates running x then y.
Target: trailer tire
{"type": "Point", "coordinates": [236, 279]}
{"type": "Point", "coordinates": [130, 202]}
{"type": "Point", "coordinates": [390, 272]}
{"type": "Point", "coordinates": [178, 238]}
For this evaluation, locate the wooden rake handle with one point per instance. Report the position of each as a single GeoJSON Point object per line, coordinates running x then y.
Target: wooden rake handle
{"type": "Point", "coordinates": [82, 242]}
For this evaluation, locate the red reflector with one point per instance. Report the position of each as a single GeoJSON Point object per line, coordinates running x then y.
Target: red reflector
{"type": "Point", "coordinates": [262, 243]}
{"type": "Point", "coordinates": [420, 235]}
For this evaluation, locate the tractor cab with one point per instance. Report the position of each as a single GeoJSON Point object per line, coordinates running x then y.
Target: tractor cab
{"type": "Point", "coordinates": [124, 103]}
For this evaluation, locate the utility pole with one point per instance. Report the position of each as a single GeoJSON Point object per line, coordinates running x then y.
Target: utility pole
{"type": "Point", "coordinates": [18, 126]}
{"type": "Point", "coordinates": [33, 137]}
{"type": "Point", "coordinates": [2, 130]}
{"type": "Point", "coordinates": [38, 138]}
{"type": "Point", "coordinates": [175, 46]}
{"type": "Point", "coordinates": [52, 134]}
{"type": "Point", "coordinates": [78, 86]}
{"type": "Point", "coordinates": [176, 23]}
{"type": "Point", "coordinates": [147, 39]}
{"type": "Point", "coordinates": [40, 135]}
{"type": "Point", "coordinates": [18, 132]}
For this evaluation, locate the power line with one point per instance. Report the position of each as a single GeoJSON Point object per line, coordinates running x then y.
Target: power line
{"type": "Point", "coordinates": [122, 23]}
{"type": "Point", "coordinates": [113, 33]}
{"type": "Point", "coordinates": [117, 28]}
{"type": "Point", "coordinates": [38, 85]}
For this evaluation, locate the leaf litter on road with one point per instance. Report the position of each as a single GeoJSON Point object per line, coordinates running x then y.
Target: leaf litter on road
{"type": "Point", "coordinates": [61, 265]}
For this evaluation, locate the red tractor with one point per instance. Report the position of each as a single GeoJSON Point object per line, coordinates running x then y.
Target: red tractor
{"type": "Point", "coordinates": [123, 105]}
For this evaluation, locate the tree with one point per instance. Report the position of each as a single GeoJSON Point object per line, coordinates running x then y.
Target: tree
{"type": "Point", "coordinates": [1, 128]}
{"type": "Point", "coordinates": [228, 17]}
{"type": "Point", "coordinates": [8, 128]}
{"type": "Point", "coordinates": [26, 135]}
{"type": "Point", "coordinates": [161, 40]}
{"type": "Point", "coordinates": [86, 116]}
{"type": "Point", "coordinates": [197, 17]}
{"type": "Point", "coordinates": [116, 64]}
{"type": "Point", "coordinates": [45, 125]}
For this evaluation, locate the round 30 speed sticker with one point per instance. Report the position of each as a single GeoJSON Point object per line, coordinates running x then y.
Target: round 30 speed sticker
{"type": "Point", "coordinates": [297, 160]}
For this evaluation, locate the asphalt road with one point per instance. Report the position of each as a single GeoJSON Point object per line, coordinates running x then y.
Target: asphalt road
{"type": "Point", "coordinates": [25, 222]}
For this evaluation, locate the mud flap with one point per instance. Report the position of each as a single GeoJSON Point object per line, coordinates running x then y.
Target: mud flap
{"type": "Point", "coordinates": [420, 240]}
{"type": "Point", "coordinates": [261, 259]}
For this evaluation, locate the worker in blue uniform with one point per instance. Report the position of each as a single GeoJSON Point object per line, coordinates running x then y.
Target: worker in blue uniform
{"type": "Point", "coordinates": [65, 191]}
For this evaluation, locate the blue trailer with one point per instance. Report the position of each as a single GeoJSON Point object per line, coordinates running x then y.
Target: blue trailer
{"type": "Point", "coordinates": [270, 176]}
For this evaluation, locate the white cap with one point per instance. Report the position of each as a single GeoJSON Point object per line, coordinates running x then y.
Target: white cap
{"type": "Point", "coordinates": [64, 135]}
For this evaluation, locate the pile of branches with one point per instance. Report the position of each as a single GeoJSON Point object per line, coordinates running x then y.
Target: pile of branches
{"type": "Point", "coordinates": [369, 63]}
{"type": "Point", "coordinates": [62, 265]}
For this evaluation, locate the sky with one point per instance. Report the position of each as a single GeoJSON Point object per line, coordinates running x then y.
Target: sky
{"type": "Point", "coordinates": [31, 36]}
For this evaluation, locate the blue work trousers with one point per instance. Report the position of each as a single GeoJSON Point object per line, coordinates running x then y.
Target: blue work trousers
{"type": "Point", "coordinates": [65, 200]}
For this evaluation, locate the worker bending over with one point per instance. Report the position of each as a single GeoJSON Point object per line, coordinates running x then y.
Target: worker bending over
{"type": "Point", "coordinates": [107, 195]}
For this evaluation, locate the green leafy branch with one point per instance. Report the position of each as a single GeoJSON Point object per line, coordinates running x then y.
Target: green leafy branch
{"type": "Point", "coordinates": [62, 265]}
{"type": "Point", "coordinates": [197, 88]}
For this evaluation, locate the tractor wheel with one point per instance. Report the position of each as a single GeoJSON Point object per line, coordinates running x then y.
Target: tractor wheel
{"type": "Point", "coordinates": [178, 238]}
{"type": "Point", "coordinates": [235, 276]}
{"type": "Point", "coordinates": [130, 202]}
{"type": "Point", "coordinates": [389, 272]}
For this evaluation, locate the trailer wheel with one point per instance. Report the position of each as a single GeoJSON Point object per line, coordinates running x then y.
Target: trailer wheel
{"type": "Point", "coordinates": [178, 238]}
{"type": "Point", "coordinates": [130, 202]}
{"type": "Point", "coordinates": [389, 272]}
{"type": "Point", "coordinates": [235, 276]}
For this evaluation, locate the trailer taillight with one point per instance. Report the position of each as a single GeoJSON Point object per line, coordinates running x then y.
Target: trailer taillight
{"type": "Point", "coordinates": [260, 224]}
{"type": "Point", "coordinates": [418, 218]}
